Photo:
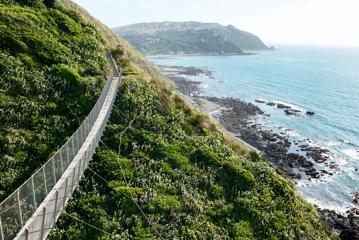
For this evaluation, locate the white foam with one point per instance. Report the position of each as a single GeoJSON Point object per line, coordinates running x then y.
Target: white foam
{"type": "Point", "coordinates": [293, 106]}
{"type": "Point", "coordinates": [292, 133]}
{"type": "Point", "coordinates": [331, 143]}
{"type": "Point", "coordinates": [205, 86]}
{"type": "Point", "coordinates": [341, 162]}
{"type": "Point", "coordinates": [339, 208]}
{"type": "Point", "coordinates": [352, 153]}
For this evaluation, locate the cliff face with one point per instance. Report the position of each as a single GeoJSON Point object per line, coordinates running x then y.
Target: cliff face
{"type": "Point", "coordinates": [189, 37]}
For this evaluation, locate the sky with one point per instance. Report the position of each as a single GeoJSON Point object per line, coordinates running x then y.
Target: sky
{"type": "Point", "coordinates": [305, 22]}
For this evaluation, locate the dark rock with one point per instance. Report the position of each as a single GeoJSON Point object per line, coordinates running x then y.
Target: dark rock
{"type": "Point", "coordinates": [187, 87]}
{"type": "Point", "coordinates": [348, 226]}
{"type": "Point", "coordinates": [290, 112]}
{"type": "Point", "coordinates": [355, 196]}
{"type": "Point", "coordinates": [310, 113]}
{"type": "Point", "coordinates": [260, 101]}
{"type": "Point", "coordinates": [282, 106]}
{"type": "Point", "coordinates": [238, 119]}
{"type": "Point", "coordinates": [188, 71]}
{"type": "Point", "coordinates": [271, 104]}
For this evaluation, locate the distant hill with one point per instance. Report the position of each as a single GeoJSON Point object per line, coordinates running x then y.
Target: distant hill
{"type": "Point", "coordinates": [189, 37]}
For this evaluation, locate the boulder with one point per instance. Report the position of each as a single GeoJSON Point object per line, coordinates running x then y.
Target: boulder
{"type": "Point", "coordinates": [282, 106]}
{"type": "Point", "coordinates": [290, 112]}
{"type": "Point", "coordinates": [260, 101]}
{"type": "Point", "coordinates": [310, 113]}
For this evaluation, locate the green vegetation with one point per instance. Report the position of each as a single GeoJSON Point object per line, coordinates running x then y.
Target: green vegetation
{"type": "Point", "coordinates": [189, 179]}
{"type": "Point", "coordinates": [51, 61]}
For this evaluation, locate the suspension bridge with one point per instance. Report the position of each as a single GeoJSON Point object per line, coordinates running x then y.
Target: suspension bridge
{"type": "Point", "coordinates": [32, 210]}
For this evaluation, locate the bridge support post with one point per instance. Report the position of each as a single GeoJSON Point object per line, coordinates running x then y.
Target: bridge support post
{"type": "Point", "coordinates": [68, 155]}
{"type": "Point", "coordinates": [43, 223]}
{"type": "Point", "coordinates": [45, 182]}
{"type": "Point", "coordinates": [73, 179]}
{"type": "Point", "coordinates": [54, 171]}
{"type": "Point", "coordinates": [33, 192]}
{"type": "Point", "coordinates": [55, 207]}
{"type": "Point", "coordinates": [77, 142]}
{"type": "Point", "coordinates": [65, 192]}
{"type": "Point", "coordinates": [73, 146]}
{"type": "Point", "coordinates": [79, 170]}
{"type": "Point", "coordinates": [86, 160]}
{"type": "Point", "coordinates": [61, 162]}
{"type": "Point", "coordinates": [19, 206]}
{"type": "Point", "coordinates": [1, 231]}
{"type": "Point", "coordinates": [83, 134]}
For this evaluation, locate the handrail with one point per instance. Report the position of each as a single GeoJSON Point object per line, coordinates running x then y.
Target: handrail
{"type": "Point", "coordinates": [31, 210]}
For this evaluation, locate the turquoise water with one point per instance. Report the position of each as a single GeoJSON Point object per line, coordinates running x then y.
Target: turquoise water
{"type": "Point", "coordinates": [323, 80]}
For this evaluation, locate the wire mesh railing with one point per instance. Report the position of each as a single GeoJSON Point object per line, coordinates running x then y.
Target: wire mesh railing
{"type": "Point", "coordinates": [31, 211]}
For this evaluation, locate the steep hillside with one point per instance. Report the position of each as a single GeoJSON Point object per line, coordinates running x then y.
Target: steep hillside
{"type": "Point", "coordinates": [52, 68]}
{"type": "Point", "coordinates": [163, 170]}
{"type": "Point", "coordinates": [189, 37]}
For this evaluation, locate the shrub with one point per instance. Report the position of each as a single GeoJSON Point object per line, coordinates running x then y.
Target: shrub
{"type": "Point", "coordinates": [27, 60]}
{"type": "Point", "coordinates": [50, 3]}
{"type": "Point", "coordinates": [47, 49]}
{"type": "Point", "coordinates": [30, 3]}
{"type": "Point", "coordinates": [68, 74]}
{"type": "Point", "coordinates": [216, 191]}
{"type": "Point", "coordinates": [117, 52]}
{"type": "Point", "coordinates": [205, 157]}
{"type": "Point", "coordinates": [92, 68]}
{"type": "Point", "coordinates": [175, 158]}
{"type": "Point", "coordinates": [243, 231]}
{"type": "Point", "coordinates": [66, 23]}
{"type": "Point", "coordinates": [254, 156]}
{"type": "Point", "coordinates": [163, 203]}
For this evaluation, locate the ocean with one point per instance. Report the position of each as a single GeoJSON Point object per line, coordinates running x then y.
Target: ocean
{"type": "Point", "coordinates": [324, 80]}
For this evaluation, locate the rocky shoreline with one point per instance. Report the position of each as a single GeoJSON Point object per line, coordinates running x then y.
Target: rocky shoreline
{"type": "Point", "coordinates": [236, 119]}
{"type": "Point", "coordinates": [297, 159]}
{"type": "Point", "coordinates": [236, 116]}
